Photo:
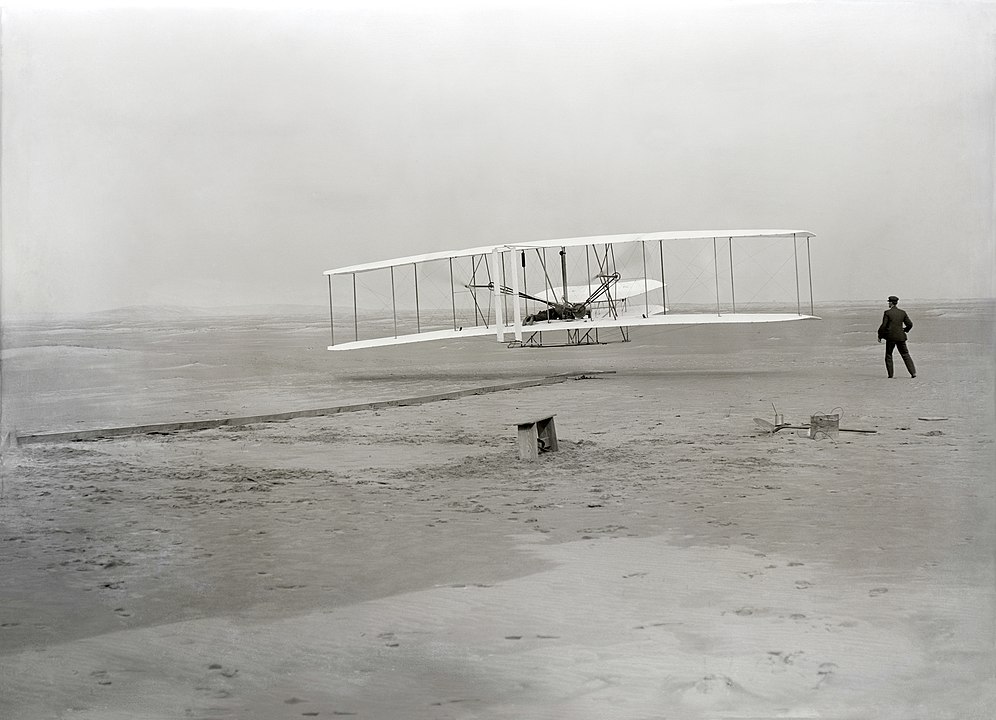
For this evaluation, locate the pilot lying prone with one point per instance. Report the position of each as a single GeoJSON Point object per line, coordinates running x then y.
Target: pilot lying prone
{"type": "Point", "coordinates": [566, 311]}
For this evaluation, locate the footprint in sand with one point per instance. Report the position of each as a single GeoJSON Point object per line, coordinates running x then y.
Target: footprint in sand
{"type": "Point", "coordinates": [778, 659]}
{"type": "Point", "coordinates": [748, 611]}
{"type": "Point", "coordinates": [213, 693]}
{"type": "Point", "coordinates": [212, 686]}
{"type": "Point", "coordinates": [101, 677]}
{"type": "Point", "coordinates": [825, 671]}
{"type": "Point", "coordinates": [226, 672]}
{"type": "Point", "coordinates": [713, 688]}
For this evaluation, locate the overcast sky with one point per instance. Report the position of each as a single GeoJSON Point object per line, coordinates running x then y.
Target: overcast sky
{"type": "Point", "coordinates": [230, 156]}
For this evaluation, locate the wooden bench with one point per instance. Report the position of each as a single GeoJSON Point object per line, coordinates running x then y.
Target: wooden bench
{"type": "Point", "coordinates": [536, 436]}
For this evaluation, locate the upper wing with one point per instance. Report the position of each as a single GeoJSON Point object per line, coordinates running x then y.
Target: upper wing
{"type": "Point", "coordinates": [663, 236]}
{"type": "Point", "coordinates": [569, 242]}
{"type": "Point", "coordinates": [412, 259]}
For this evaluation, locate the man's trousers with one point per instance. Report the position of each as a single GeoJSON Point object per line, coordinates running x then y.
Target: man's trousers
{"type": "Point", "coordinates": [904, 353]}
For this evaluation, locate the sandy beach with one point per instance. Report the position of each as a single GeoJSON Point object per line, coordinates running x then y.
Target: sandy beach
{"type": "Point", "coordinates": [672, 560]}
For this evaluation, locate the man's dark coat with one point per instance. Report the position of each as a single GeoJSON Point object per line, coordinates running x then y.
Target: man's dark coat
{"type": "Point", "coordinates": [895, 324]}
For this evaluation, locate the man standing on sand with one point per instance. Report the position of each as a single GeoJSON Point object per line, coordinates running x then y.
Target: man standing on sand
{"type": "Point", "coordinates": [895, 324]}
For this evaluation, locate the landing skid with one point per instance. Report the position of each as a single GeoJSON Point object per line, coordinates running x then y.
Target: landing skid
{"type": "Point", "coordinates": [575, 338]}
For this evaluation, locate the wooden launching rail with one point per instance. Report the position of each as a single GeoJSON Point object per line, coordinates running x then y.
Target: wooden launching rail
{"type": "Point", "coordinates": [191, 425]}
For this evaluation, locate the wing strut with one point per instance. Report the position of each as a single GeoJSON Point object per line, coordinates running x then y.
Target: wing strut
{"type": "Point", "coordinates": [474, 264]}
{"type": "Point", "coordinates": [733, 288]}
{"type": "Point", "coordinates": [563, 272]}
{"type": "Point", "coordinates": [646, 281]}
{"type": "Point", "coordinates": [798, 297]}
{"type": "Point", "coordinates": [516, 311]}
{"type": "Point", "coordinates": [453, 294]}
{"type": "Point", "coordinates": [715, 270]}
{"type": "Point", "coordinates": [660, 244]}
{"type": "Point", "coordinates": [331, 315]}
{"type": "Point", "coordinates": [356, 322]}
{"type": "Point", "coordinates": [418, 318]}
{"type": "Point", "coordinates": [394, 304]}
{"type": "Point", "coordinates": [809, 263]}
{"type": "Point", "coordinates": [498, 299]}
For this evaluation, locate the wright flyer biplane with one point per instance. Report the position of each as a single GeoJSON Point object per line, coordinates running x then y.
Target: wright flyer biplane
{"type": "Point", "coordinates": [574, 291]}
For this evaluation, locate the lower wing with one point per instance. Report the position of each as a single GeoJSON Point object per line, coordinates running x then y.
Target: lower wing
{"type": "Point", "coordinates": [577, 325]}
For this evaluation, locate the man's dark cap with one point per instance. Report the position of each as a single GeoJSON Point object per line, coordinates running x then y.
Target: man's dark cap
{"type": "Point", "coordinates": [893, 299]}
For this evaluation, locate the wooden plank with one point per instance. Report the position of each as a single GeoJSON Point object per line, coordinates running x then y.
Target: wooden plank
{"type": "Point", "coordinates": [547, 432]}
{"type": "Point", "coordinates": [528, 445]}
